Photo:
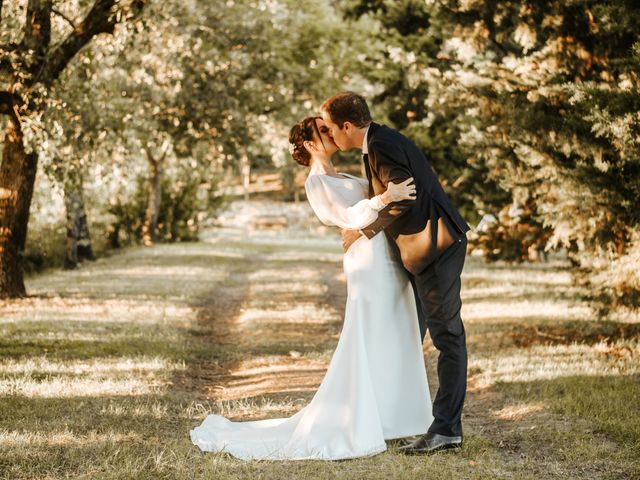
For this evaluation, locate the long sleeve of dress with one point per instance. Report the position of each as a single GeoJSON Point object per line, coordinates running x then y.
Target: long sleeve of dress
{"type": "Point", "coordinates": [332, 201]}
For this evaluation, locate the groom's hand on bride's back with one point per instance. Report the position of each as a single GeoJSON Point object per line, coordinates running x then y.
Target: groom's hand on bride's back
{"type": "Point", "coordinates": [348, 237]}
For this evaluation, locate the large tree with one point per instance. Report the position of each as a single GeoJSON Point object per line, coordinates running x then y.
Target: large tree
{"type": "Point", "coordinates": [551, 92]}
{"type": "Point", "coordinates": [30, 63]}
{"type": "Point", "coordinates": [541, 100]}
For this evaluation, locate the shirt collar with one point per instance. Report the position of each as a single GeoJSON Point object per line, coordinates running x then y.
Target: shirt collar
{"type": "Point", "coordinates": [365, 149]}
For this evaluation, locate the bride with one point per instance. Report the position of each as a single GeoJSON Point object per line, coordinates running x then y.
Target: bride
{"type": "Point", "coordinates": [375, 388]}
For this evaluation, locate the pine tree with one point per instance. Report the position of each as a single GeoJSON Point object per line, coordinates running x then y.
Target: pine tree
{"type": "Point", "coordinates": [543, 97]}
{"type": "Point", "coordinates": [554, 90]}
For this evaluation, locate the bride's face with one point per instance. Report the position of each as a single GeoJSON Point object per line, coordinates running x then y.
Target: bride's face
{"type": "Point", "coordinates": [325, 142]}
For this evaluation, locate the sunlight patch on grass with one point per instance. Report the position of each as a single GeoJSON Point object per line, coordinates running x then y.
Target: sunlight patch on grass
{"type": "Point", "coordinates": [54, 387]}
{"type": "Point", "coordinates": [530, 274]}
{"type": "Point", "coordinates": [304, 256]}
{"type": "Point", "coordinates": [271, 385]}
{"type": "Point", "coordinates": [164, 271]}
{"type": "Point", "coordinates": [97, 365]}
{"type": "Point", "coordinates": [287, 286]}
{"type": "Point", "coordinates": [275, 274]}
{"type": "Point", "coordinates": [89, 310]}
{"type": "Point", "coordinates": [156, 410]}
{"type": "Point", "coordinates": [545, 362]}
{"type": "Point", "coordinates": [303, 314]}
{"type": "Point", "coordinates": [244, 408]}
{"type": "Point", "coordinates": [517, 412]}
{"type": "Point", "coordinates": [510, 310]}
{"type": "Point", "coordinates": [250, 368]}
{"type": "Point", "coordinates": [63, 438]}
{"type": "Point", "coordinates": [208, 254]}
{"type": "Point", "coordinates": [51, 337]}
{"type": "Point", "coordinates": [506, 293]}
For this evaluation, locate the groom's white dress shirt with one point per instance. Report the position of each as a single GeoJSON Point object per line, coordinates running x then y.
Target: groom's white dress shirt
{"type": "Point", "coordinates": [365, 149]}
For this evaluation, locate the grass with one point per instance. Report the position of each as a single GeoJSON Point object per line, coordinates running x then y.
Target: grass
{"type": "Point", "coordinates": [104, 370]}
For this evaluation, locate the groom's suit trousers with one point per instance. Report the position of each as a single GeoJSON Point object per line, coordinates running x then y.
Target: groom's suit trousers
{"type": "Point", "coordinates": [437, 290]}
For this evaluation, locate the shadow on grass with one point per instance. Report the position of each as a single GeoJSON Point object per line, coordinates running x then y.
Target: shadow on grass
{"type": "Point", "coordinates": [61, 349]}
{"type": "Point", "coordinates": [245, 359]}
{"type": "Point", "coordinates": [544, 292]}
{"type": "Point", "coordinates": [563, 333]}
{"type": "Point", "coordinates": [569, 427]}
{"type": "Point", "coordinates": [483, 336]}
{"type": "Point", "coordinates": [609, 403]}
{"type": "Point", "coordinates": [96, 437]}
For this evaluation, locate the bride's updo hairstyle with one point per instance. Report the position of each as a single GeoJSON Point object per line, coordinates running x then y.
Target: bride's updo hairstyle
{"type": "Point", "coordinates": [302, 132]}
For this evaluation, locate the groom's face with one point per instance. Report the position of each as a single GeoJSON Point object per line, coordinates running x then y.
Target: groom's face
{"type": "Point", "coordinates": [339, 135]}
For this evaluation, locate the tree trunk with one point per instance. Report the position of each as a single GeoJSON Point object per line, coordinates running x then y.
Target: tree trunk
{"type": "Point", "coordinates": [17, 177]}
{"type": "Point", "coordinates": [85, 248]}
{"type": "Point", "coordinates": [246, 174]}
{"type": "Point", "coordinates": [78, 236]}
{"type": "Point", "coordinates": [153, 206]}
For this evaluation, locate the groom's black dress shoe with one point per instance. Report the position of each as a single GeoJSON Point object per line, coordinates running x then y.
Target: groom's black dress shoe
{"type": "Point", "coordinates": [431, 442]}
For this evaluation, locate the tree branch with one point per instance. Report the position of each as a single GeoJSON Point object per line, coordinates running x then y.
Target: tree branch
{"type": "Point", "coordinates": [150, 158]}
{"type": "Point", "coordinates": [164, 149]}
{"type": "Point", "coordinates": [37, 28]}
{"type": "Point", "coordinates": [155, 162]}
{"type": "Point", "coordinates": [60, 14]}
{"type": "Point", "coordinates": [8, 102]}
{"type": "Point", "coordinates": [102, 18]}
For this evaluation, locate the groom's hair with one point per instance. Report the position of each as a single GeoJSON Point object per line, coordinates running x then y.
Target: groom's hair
{"type": "Point", "coordinates": [348, 107]}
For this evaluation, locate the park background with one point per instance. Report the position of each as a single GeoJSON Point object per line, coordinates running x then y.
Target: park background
{"type": "Point", "coordinates": [158, 260]}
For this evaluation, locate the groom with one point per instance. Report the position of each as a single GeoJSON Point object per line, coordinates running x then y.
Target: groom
{"type": "Point", "coordinates": [431, 242]}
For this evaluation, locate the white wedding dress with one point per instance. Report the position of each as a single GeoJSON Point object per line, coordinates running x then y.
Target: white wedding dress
{"type": "Point", "coordinates": [376, 385]}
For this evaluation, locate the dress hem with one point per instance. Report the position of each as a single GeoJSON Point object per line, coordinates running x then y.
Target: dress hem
{"type": "Point", "coordinates": [367, 453]}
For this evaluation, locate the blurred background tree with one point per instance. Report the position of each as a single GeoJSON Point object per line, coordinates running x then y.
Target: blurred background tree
{"type": "Point", "coordinates": [551, 97]}
{"type": "Point", "coordinates": [151, 120]}
{"type": "Point", "coordinates": [37, 45]}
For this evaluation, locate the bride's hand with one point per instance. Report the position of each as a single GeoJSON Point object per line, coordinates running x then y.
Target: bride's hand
{"type": "Point", "coordinates": [397, 192]}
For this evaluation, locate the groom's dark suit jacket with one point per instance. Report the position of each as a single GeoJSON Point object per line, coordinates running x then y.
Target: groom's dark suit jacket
{"type": "Point", "coordinates": [412, 223]}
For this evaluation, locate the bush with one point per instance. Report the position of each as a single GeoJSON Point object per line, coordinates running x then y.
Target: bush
{"type": "Point", "coordinates": [514, 236]}
{"type": "Point", "coordinates": [182, 205]}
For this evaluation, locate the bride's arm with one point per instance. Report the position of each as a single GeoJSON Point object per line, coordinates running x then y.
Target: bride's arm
{"type": "Point", "coordinates": [333, 209]}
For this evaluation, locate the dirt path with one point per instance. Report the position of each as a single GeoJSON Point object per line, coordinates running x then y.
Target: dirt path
{"type": "Point", "coordinates": [274, 322]}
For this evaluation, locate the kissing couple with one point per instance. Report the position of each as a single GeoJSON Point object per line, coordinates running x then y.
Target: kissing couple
{"type": "Point", "coordinates": [405, 246]}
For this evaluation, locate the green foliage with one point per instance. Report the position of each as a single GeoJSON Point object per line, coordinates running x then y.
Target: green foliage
{"type": "Point", "coordinates": [514, 236]}
{"type": "Point", "coordinates": [517, 104]}
{"type": "Point", "coordinates": [411, 39]}
{"type": "Point", "coordinates": [212, 80]}
{"type": "Point", "coordinates": [541, 101]}
{"type": "Point", "coordinates": [178, 220]}
{"type": "Point", "coordinates": [45, 249]}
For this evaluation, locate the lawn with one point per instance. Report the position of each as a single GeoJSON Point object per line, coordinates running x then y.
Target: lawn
{"type": "Point", "coordinates": [104, 370]}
